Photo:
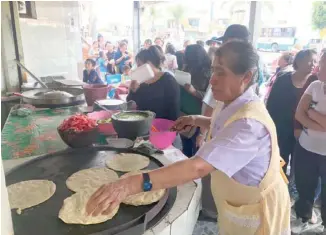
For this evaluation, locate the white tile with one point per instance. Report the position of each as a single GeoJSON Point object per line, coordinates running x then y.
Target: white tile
{"type": "Point", "coordinates": [192, 220]}
{"type": "Point", "coordinates": [184, 196]}
{"type": "Point", "coordinates": [178, 227]}
{"type": "Point", "coordinates": [162, 226]}
{"type": "Point", "coordinates": [149, 232]}
{"type": "Point", "coordinates": [196, 198]}
{"type": "Point", "coordinates": [165, 231]}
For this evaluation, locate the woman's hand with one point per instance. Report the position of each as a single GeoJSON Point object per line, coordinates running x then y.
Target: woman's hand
{"type": "Point", "coordinates": [184, 123]}
{"type": "Point", "coordinates": [134, 85]}
{"type": "Point", "coordinates": [190, 89]}
{"type": "Point", "coordinates": [200, 140]}
{"type": "Point", "coordinates": [108, 197]}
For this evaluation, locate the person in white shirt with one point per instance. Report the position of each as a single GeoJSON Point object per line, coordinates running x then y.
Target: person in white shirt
{"type": "Point", "coordinates": [310, 151]}
{"type": "Point", "coordinates": [170, 62]}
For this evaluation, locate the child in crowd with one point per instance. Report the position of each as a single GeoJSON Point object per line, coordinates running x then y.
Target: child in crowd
{"type": "Point", "coordinates": [125, 73]}
{"type": "Point", "coordinates": [90, 75]}
{"type": "Point", "coordinates": [102, 62]}
{"type": "Point", "coordinates": [126, 70]}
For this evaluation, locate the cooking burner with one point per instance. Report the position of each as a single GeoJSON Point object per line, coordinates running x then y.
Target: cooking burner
{"type": "Point", "coordinates": [43, 219]}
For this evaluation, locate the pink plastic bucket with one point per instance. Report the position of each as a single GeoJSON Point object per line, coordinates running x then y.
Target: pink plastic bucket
{"type": "Point", "coordinates": [95, 92]}
{"type": "Point", "coordinates": [164, 137]}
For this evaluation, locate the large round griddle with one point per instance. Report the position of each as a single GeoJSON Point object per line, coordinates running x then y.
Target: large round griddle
{"type": "Point", "coordinates": [43, 219]}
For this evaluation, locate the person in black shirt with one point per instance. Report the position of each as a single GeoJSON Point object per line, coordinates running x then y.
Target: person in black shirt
{"type": "Point", "coordinates": [160, 94]}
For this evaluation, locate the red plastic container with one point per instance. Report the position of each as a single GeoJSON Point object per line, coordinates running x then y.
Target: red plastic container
{"type": "Point", "coordinates": [95, 92]}
{"type": "Point", "coordinates": [163, 138]}
{"type": "Point", "coordinates": [104, 128]}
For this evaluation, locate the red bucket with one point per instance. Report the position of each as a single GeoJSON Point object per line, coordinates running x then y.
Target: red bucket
{"type": "Point", "coordinates": [95, 92]}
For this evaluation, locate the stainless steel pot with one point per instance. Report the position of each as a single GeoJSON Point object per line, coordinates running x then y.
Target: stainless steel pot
{"type": "Point", "coordinates": [31, 97]}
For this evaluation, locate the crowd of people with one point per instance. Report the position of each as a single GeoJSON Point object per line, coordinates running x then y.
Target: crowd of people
{"type": "Point", "coordinates": [228, 131]}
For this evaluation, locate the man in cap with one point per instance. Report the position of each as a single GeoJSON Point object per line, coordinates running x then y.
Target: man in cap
{"type": "Point", "coordinates": [233, 32]}
{"type": "Point", "coordinates": [213, 44]}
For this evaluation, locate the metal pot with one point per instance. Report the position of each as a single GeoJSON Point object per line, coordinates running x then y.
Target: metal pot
{"type": "Point", "coordinates": [131, 129]}
{"type": "Point", "coordinates": [32, 97]}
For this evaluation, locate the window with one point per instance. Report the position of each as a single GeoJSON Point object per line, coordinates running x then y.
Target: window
{"type": "Point", "coordinates": [193, 22]}
{"type": "Point", "coordinates": [278, 32]}
{"type": "Point", "coordinates": [26, 9]}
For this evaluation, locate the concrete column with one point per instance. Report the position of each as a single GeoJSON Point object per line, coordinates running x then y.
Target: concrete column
{"type": "Point", "coordinates": [11, 47]}
{"type": "Point", "coordinates": [255, 21]}
{"type": "Point", "coordinates": [136, 27]}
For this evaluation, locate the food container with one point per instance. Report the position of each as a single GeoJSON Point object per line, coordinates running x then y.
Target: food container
{"type": "Point", "coordinates": [142, 73]}
{"type": "Point", "coordinates": [79, 139]}
{"type": "Point", "coordinates": [95, 92]}
{"type": "Point", "coordinates": [132, 124]}
{"type": "Point", "coordinates": [104, 128]}
{"type": "Point", "coordinates": [162, 137]}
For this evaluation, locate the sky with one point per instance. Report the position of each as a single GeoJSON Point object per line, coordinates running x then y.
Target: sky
{"type": "Point", "coordinates": [110, 11]}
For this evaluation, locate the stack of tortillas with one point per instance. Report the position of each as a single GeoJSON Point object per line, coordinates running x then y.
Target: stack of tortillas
{"type": "Point", "coordinates": [143, 198]}
{"type": "Point", "coordinates": [26, 194]}
{"type": "Point", "coordinates": [73, 210]}
{"type": "Point", "coordinates": [85, 183]}
{"type": "Point", "coordinates": [127, 162]}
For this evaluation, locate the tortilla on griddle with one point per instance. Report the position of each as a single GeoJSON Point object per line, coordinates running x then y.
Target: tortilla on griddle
{"type": "Point", "coordinates": [143, 198]}
{"type": "Point", "coordinates": [26, 194]}
{"type": "Point", "coordinates": [91, 178]}
{"type": "Point", "coordinates": [127, 162]}
{"type": "Point", "coordinates": [73, 210]}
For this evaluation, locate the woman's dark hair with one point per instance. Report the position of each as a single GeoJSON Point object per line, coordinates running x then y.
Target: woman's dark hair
{"type": "Point", "coordinates": [152, 54]}
{"type": "Point", "coordinates": [122, 43]}
{"type": "Point", "coordinates": [148, 41]}
{"type": "Point", "coordinates": [158, 38]}
{"type": "Point", "coordinates": [240, 56]}
{"type": "Point", "coordinates": [100, 54]}
{"type": "Point", "coordinates": [201, 43]}
{"type": "Point", "coordinates": [196, 58]}
{"type": "Point", "coordinates": [170, 49]}
{"type": "Point", "coordinates": [90, 61]}
{"type": "Point", "coordinates": [107, 42]}
{"type": "Point", "coordinates": [288, 57]}
{"type": "Point", "coordinates": [301, 55]}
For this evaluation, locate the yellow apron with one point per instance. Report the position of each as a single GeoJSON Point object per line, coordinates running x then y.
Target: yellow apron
{"type": "Point", "coordinates": [247, 210]}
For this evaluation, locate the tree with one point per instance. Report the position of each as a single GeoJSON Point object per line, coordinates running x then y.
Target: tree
{"type": "Point", "coordinates": [177, 13]}
{"type": "Point", "coordinates": [153, 13]}
{"type": "Point", "coordinates": [319, 15]}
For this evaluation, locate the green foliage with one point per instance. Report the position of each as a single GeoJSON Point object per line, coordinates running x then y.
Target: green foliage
{"type": "Point", "coordinates": [177, 12]}
{"type": "Point", "coordinates": [319, 15]}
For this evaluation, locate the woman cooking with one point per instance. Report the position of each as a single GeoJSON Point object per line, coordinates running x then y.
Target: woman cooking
{"type": "Point", "coordinates": [242, 155]}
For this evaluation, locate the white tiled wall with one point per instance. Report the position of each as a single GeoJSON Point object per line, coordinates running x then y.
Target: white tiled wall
{"type": "Point", "coordinates": [51, 45]}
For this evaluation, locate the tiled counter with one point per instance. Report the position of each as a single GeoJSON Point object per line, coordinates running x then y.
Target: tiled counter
{"type": "Point", "coordinates": [183, 215]}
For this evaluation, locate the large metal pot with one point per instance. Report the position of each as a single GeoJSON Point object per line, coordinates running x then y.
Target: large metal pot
{"type": "Point", "coordinates": [32, 97]}
{"type": "Point", "coordinates": [131, 129]}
